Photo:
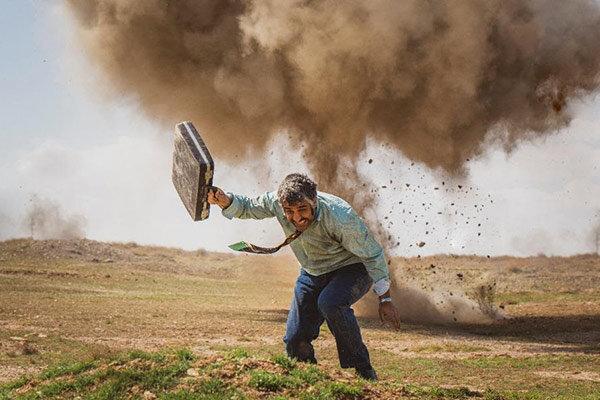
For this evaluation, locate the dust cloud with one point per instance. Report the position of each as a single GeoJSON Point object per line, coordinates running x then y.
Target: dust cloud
{"type": "Point", "coordinates": [46, 220]}
{"type": "Point", "coordinates": [432, 79]}
{"type": "Point", "coordinates": [438, 81]}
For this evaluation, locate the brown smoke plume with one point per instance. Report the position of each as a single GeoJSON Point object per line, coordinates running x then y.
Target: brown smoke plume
{"type": "Point", "coordinates": [45, 220]}
{"type": "Point", "coordinates": [431, 78]}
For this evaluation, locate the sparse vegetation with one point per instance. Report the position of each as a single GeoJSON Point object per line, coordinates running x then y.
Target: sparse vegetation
{"type": "Point", "coordinates": [67, 369]}
{"type": "Point", "coordinates": [237, 353]}
{"type": "Point", "coordinates": [285, 362]}
{"type": "Point", "coordinates": [272, 382]}
{"type": "Point", "coordinates": [166, 376]}
{"type": "Point", "coordinates": [55, 298]}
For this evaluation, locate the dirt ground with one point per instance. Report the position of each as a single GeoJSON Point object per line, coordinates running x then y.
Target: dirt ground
{"type": "Point", "coordinates": [75, 299]}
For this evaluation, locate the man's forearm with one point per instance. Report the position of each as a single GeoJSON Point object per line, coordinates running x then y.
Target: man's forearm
{"type": "Point", "coordinates": [243, 207]}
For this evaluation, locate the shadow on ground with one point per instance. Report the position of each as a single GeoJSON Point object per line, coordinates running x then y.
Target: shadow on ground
{"type": "Point", "coordinates": [567, 333]}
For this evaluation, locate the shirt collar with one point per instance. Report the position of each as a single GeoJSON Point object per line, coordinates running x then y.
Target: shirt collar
{"type": "Point", "coordinates": [318, 210]}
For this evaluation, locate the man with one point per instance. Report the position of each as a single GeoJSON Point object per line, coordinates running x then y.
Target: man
{"type": "Point", "coordinates": [340, 260]}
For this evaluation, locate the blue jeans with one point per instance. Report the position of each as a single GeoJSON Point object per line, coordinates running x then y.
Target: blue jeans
{"type": "Point", "coordinates": [328, 298]}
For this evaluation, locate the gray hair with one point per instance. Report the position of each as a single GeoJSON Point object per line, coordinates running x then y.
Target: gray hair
{"type": "Point", "coordinates": [297, 187]}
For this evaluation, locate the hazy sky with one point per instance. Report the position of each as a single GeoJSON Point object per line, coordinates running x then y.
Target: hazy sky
{"type": "Point", "coordinates": [66, 139]}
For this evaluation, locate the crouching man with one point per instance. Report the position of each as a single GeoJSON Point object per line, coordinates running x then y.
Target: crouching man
{"type": "Point", "coordinates": [340, 260]}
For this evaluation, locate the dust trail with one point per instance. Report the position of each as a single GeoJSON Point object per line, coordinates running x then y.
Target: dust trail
{"type": "Point", "coordinates": [46, 220]}
{"type": "Point", "coordinates": [438, 81]}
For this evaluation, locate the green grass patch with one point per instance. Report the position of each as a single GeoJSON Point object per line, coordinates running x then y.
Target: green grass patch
{"type": "Point", "coordinates": [7, 388]}
{"type": "Point", "coordinates": [17, 383]}
{"type": "Point", "coordinates": [237, 353]}
{"type": "Point", "coordinates": [59, 388]}
{"type": "Point", "coordinates": [165, 375]}
{"type": "Point", "coordinates": [185, 355]}
{"type": "Point", "coordinates": [107, 390]}
{"type": "Point", "coordinates": [285, 362]}
{"type": "Point", "coordinates": [144, 355]}
{"type": "Point", "coordinates": [110, 378]}
{"type": "Point", "coordinates": [434, 392]}
{"type": "Point", "coordinates": [271, 382]}
{"type": "Point", "coordinates": [309, 374]}
{"type": "Point", "coordinates": [335, 391]}
{"type": "Point", "coordinates": [212, 389]}
{"type": "Point", "coordinates": [67, 369]}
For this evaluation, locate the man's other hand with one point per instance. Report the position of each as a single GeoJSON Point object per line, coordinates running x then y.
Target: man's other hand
{"type": "Point", "coordinates": [218, 197]}
{"type": "Point", "coordinates": [388, 313]}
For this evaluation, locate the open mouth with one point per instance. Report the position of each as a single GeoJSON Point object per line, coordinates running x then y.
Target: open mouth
{"type": "Point", "coordinates": [302, 224]}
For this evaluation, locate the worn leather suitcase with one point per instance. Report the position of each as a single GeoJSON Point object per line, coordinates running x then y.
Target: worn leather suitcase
{"type": "Point", "coordinates": [193, 170]}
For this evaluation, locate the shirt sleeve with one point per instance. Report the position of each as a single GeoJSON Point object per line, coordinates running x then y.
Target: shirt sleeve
{"type": "Point", "coordinates": [251, 208]}
{"type": "Point", "coordinates": [357, 239]}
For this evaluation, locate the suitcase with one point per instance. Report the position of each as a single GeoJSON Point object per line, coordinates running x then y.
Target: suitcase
{"type": "Point", "coordinates": [193, 170]}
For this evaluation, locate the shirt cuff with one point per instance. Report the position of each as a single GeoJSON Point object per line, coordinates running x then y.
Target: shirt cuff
{"type": "Point", "coordinates": [233, 209]}
{"type": "Point", "coordinates": [381, 286]}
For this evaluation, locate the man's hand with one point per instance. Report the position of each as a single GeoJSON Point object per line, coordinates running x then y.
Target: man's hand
{"type": "Point", "coordinates": [218, 197]}
{"type": "Point", "coordinates": [388, 313]}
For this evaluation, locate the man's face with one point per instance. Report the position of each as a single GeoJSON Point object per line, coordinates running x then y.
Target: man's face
{"type": "Point", "coordinates": [301, 214]}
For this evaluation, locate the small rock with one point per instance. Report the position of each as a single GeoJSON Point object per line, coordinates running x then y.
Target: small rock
{"type": "Point", "coordinates": [192, 372]}
{"type": "Point", "coordinates": [148, 395]}
{"type": "Point", "coordinates": [421, 244]}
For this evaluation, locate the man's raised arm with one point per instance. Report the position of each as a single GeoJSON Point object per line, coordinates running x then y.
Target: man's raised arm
{"type": "Point", "coordinates": [239, 206]}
